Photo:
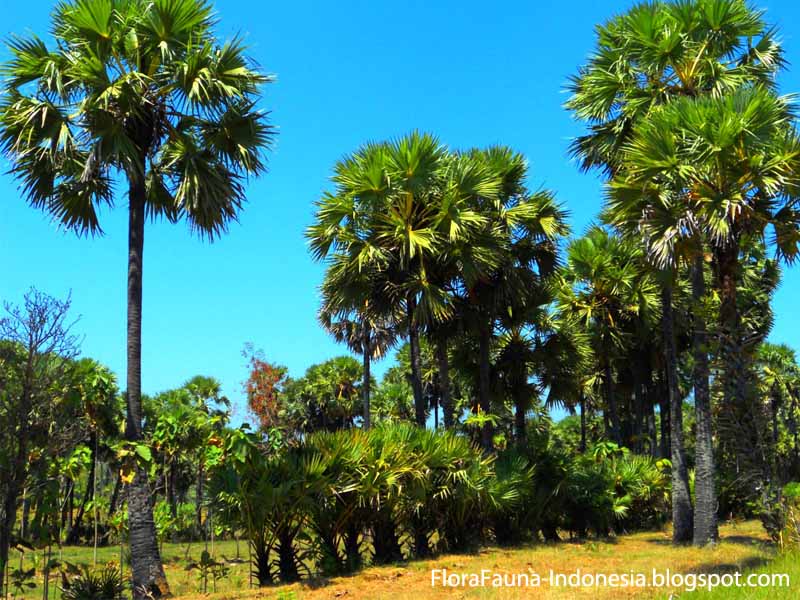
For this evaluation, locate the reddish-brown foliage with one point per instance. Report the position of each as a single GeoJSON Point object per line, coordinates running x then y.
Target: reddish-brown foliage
{"type": "Point", "coordinates": [263, 385]}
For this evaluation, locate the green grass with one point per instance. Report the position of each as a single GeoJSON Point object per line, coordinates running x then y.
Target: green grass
{"type": "Point", "coordinates": [788, 563]}
{"type": "Point", "coordinates": [175, 559]}
{"type": "Point", "coordinates": [744, 547]}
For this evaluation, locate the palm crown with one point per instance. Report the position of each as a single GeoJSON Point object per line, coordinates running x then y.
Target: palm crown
{"type": "Point", "coordinates": [143, 88]}
{"type": "Point", "coordinates": [659, 51]}
{"type": "Point", "coordinates": [721, 167]}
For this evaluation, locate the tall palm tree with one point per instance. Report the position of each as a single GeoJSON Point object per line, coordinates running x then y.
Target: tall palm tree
{"type": "Point", "coordinates": [780, 380]}
{"type": "Point", "coordinates": [395, 207]}
{"type": "Point", "coordinates": [144, 90]}
{"type": "Point", "coordinates": [733, 161]}
{"type": "Point", "coordinates": [603, 287]}
{"type": "Point", "coordinates": [647, 57]}
{"type": "Point", "coordinates": [355, 312]}
{"type": "Point", "coordinates": [519, 243]}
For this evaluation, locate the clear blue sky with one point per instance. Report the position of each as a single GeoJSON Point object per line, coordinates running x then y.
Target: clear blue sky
{"type": "Point", "coordinates": [474, 73]}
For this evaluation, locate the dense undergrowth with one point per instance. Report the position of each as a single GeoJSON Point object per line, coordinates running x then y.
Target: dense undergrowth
{"type": "Point", "coordinates": [332, 502]}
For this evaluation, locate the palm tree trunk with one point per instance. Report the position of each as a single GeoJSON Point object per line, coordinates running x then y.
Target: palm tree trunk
{"type": "Point", "coordinates": [611, 403]}
{"type": "Point", "coordinates": [444, 383]}
{"type": "Point", "coordinates": [775, 408]}
{"type": "Point", "coordinates": [682, 516]}
{"type": "Point", "coordinates": [11, 489]}
{"type": "Point", "coordinates": [484, 401]}
{"type": "Point", "coordinates": [198, 492]}
{"type": "Point", "coordinates": [416, 366]}
{"type": "Point", "coordinates": [639, 396]}
{"type": "Point", "coordinates": [582, 403]}
{"type": "Point", "coordinates": [519, 420]}
{"type": "Point", "coordinates": [366, 347]}
{"type": "Point", "coordinates": [147, 569]}
{"type": "Point", "coordinates": [663, 408]}
{"type": "Point", "coordinates": [741, 421]}
{"type": "Point", "coordinates": [705, 516]}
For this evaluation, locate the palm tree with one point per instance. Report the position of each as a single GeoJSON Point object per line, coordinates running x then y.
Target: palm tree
{"type": "Point", "coordinates": [350, 315]}
{"type": "Point", "coordinates": [395, 207]}
{"type": "Point", "coordinates": [780, 379]}
{"type": "Point", "coordinates": [516, 248]}
{"type": "Point", "coordinates": [144, 90]}
{"type": "Point", "coordinates": [732, 162]}
{"type": "Point", "coordinates": [647, 57]}
{"type": "Point", "coordinates": [604, 288]}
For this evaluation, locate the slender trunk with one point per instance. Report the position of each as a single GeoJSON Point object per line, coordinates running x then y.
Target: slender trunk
{"type": "Point", "coordinates": [26, 515]}
{"type": "Point", "coordinates": [75, 530]}
{"type": "Point", "coordinates": [774, 408]}
{"type": "Point", "coordinates": [8, 510]}
{"type": "Point", "coordinates": [112, 508]}
{"type": "Point", "coordinates": [651, 428]}
{"type": "Point", "coordinates": [147, 570]}
{"type": "Point", "coordinates": [484, 402]}
{"type": "Point", "coordinates": [583, 424]}
{"type": "Point", "coordinates": [611, 403]}
{"type": "Point", "coordinates": [366, 344]}
{"type": "Point", "coordinates": [639, 401]}
{"type": "Point", "coordinates": [705, 515]}
{"type": "Point", "coordinates": [71, 506]}
{"type": "Point", "coordinates": [519, 419]}
{"type": "Point", "coordinates": [444, 384]}
{"type": "Point", "coordinates": [199, 496]}
{"type": "Point", "coordinates": [416, 366]}
{"type": "Point", "coordinates": [650, 395]}
{"type": "Point", "coordinates": [663, 408]}
{"type": "Point", "coordinates": [681, 497]}
{"type": "Point", "coordinates": [18, 474]}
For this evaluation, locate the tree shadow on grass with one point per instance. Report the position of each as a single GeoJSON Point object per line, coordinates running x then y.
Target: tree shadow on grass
{"type": "Point", "coordinates": [747, 564]}
{"type": "Point", "coordinates": [741, 540]}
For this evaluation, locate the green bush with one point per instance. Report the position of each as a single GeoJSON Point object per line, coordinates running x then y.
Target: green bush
{"type": "Point", "coordinates": [336, 499]}
{"type": "Point", "coordinates": [87, 585]}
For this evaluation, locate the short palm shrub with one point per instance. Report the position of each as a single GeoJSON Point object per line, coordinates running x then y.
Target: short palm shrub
{"type": "Point", "coordinates": [106, 584]}
{"type": "Point", "coordinates": [330, 501]}
{"type": "Point", "coordinates": [641, 485]}
{"type": "Point", "coordinates": [512, 507]}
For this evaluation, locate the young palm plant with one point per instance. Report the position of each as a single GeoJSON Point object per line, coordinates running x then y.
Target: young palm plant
{"type": "Point", "coordinates": [142, 91]}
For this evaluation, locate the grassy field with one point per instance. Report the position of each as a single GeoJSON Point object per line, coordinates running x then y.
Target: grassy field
{"type": "Point", "coordinates": [743, 547]}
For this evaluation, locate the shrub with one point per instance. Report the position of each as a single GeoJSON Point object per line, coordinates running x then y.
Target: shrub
{"type": "Point", "coordinates": [106, 584]}
{"type": "Point", "coordinates": [398, 491]}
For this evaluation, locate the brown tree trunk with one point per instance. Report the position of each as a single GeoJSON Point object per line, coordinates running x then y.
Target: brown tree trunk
{"type": "Point", "coordinates": [519, 421]}
{"type": "Point", "coordinates": [416, 366]}
{"type": "Point", "coordinates": [147, 569]}
{"type": "Point", "coordinates": [705, 515]}
{"type": "Point", "coordinates": [582, 403]}
{"type": "Point", "coordinates": [444, 384]}
{"type": "Point", "coordinates": [484, 401]}
{"type": "Point", "coordinates": [611, 404]}
{"type": "Point", "coordinates": [682, 517]}
{"type": "Point", "coordinates": [639, 399]}
{"type": "Point", "coordinates": [663, 408]}
{"type": "Point", "coordinates": [366, 348]}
